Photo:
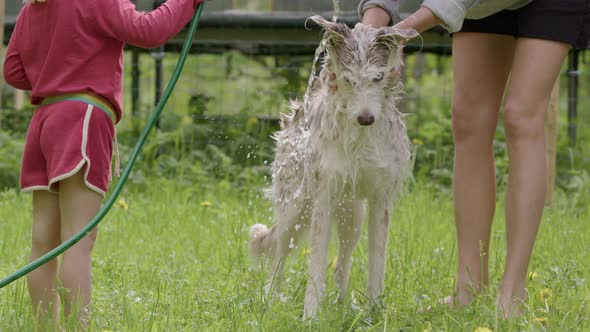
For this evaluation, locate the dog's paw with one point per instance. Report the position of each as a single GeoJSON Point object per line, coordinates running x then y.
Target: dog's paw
{"type": "Point", "coordinates": [310, 313]}
{"type": "Point", "coordinates": [311, 307]}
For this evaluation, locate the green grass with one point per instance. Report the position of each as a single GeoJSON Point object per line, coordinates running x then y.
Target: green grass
{"type": "Point", "coordinates": [177, 260]}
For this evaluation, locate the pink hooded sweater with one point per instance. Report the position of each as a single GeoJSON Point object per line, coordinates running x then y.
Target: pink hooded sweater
{"type": "Point", "coordinates": [73, 46]}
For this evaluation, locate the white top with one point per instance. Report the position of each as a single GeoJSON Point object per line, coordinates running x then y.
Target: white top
{"type": "Point", "coordinates": [451, 12]}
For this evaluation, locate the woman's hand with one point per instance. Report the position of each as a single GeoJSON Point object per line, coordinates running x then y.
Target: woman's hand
{"type": "Point", "coordinates": [421, 20]}
{"type": "Point", "coordinates": [376, 17]}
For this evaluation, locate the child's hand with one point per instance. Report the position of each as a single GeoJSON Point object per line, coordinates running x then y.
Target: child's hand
{"type": "Point", "coordinates": [32, 1]}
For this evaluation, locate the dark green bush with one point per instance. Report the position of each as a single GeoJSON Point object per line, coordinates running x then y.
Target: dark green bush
{"type": "Point", "coordinates": [11, 148]}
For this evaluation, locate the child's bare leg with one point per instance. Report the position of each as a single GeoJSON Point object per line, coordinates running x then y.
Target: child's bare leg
{"type": "Point", "coordinates": [78, 205]}
{"type": "Point", "coordinates": [45, 237]}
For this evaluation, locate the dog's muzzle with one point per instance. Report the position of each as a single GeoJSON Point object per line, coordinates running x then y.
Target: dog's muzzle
{"type": "Point", "coordinates": [366, 119]}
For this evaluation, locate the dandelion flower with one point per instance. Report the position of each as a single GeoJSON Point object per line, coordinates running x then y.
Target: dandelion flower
{"type": "Point", "coordinates": [428, 327]}
{"type": "Point", "coordinates": [546, 294]}
{"type": "Point", "coordinates": [205, 203]}
{"type": "Point", "coordinates": [483, 329]}
{"type": "Point", "coordinates": [305, 252]}
{"type": "Point", "coordinates": [252, 121]}
{"type": "Point", "coordinates": [533, 275]}
{"type": "Point", "coordinates": [122, 204]}
{"type": "Point", "coordinates": [542, 320]}
{"type": "Point", "coordinates": [417, 142]}
{"type": "Point", "coordinates": [186, 120]}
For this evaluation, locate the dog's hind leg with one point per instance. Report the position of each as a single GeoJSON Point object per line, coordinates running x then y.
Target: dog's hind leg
{"type": "Point", "coordinates": [286, 236]}
{"type": "Point", "coordinates": [319, 240]}
{"type": "Point", "coordinates": [349, 220]}
{"type": "Point", "coordinates": [378, 232]}
{"type": "Point", "coordinates": [280, 253]}
{"type": "Point", "coordinates": [266, 241]}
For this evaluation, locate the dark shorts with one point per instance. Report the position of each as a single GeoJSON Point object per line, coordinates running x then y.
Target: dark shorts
{"type": "Point", "coordinates": [566, 21]}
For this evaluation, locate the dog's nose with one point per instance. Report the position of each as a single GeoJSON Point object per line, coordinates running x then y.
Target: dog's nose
{"type": "Point", "coordinates": [366, 119]}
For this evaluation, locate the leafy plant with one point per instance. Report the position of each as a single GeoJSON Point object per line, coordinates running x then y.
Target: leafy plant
{"type": "Point", "coordinates": [11, 147]}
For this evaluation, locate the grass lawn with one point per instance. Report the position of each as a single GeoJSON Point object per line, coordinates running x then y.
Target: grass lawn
{"type": "Point", "coordinates": [173, 257]}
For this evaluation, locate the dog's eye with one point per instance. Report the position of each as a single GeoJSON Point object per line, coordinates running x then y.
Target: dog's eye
{"type": "Point", "coordinates": [378, 78]}
{"type": "Point", "coordinates": [349, 81]}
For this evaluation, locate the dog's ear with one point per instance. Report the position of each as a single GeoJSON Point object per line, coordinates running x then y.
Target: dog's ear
{"type": "Point", "coordinates": [397, 35]}
{"type": "Point", "coordinates": [335, 34]}
{"type": "Point", "coordinates": [387, 43]}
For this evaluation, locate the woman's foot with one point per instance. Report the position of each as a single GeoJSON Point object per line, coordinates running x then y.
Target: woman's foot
{"type": "Point", "coordinates": [511, 304]}
{"type": "Point", "coordinates": [448, 301]}
{"type": "Point", "coordinates": [452, 301]}
{"type": "Point", "coordinates": [459, 299]}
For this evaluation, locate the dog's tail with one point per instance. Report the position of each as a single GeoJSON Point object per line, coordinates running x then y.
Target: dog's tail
{"type": "Point", "coordinates": [259, 240]}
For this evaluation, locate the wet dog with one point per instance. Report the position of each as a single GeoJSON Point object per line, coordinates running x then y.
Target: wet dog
{"type": "Point", "coordinates": [345, 144]}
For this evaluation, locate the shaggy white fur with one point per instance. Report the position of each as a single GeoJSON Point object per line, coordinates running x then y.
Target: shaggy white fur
{"type": "Point", "coordinates": [346, 143]}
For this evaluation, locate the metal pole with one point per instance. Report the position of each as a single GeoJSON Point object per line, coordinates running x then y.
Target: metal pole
{"type": "Point", "coordinates": [135, 74]}
{"type": "Point", "coordinates": [158, 55]}
{"type": "Point", "coordinates": [573, 73]}
{"type": "Point", "coordinates": [551, 141]}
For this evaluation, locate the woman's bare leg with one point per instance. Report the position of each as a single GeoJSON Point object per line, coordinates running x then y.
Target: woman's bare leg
{"type": "Point", "coordinates": [78, 205]}
{"type": "Point", "coordinates": [45, 237]}
{"type": "Point", "coordinates": [536, 66]}
{"type": "Point", "coordinates": [481, 64]}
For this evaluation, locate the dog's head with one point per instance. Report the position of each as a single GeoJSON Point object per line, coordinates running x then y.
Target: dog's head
{"type": "Point", "coordinates": [362, 67]}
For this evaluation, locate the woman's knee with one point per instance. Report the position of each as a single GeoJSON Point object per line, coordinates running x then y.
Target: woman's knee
{"type": "Point", "coordinates": [473, 123]}
{"type": "Point", "coordinates": [523, 120]}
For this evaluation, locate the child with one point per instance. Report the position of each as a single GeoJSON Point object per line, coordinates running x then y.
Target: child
{"type": "Point", "coordinates": [69, 54]}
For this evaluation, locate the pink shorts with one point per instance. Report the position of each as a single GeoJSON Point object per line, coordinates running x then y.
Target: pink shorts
{"type": "Point", "coordinates": [64, 138]}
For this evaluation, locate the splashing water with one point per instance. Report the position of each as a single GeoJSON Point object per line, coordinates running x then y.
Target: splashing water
{"type": "Point", "coordinates": [318, 51]}
{"type": "Point", "coordinates": [336, 5]}
{"type": "Point", "coordinates": [312, 76]}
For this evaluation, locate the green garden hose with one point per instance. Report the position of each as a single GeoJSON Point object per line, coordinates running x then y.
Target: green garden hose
{"type": "Point", "coordinates": [134, 154]}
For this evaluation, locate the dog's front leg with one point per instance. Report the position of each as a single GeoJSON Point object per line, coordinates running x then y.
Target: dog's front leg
{"type": "Point", "coordinates": [378, 232]}
{"type": "Point", "coordinates": [349, 220]}
{"type": "Point", "coordinates": [319, 239]}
